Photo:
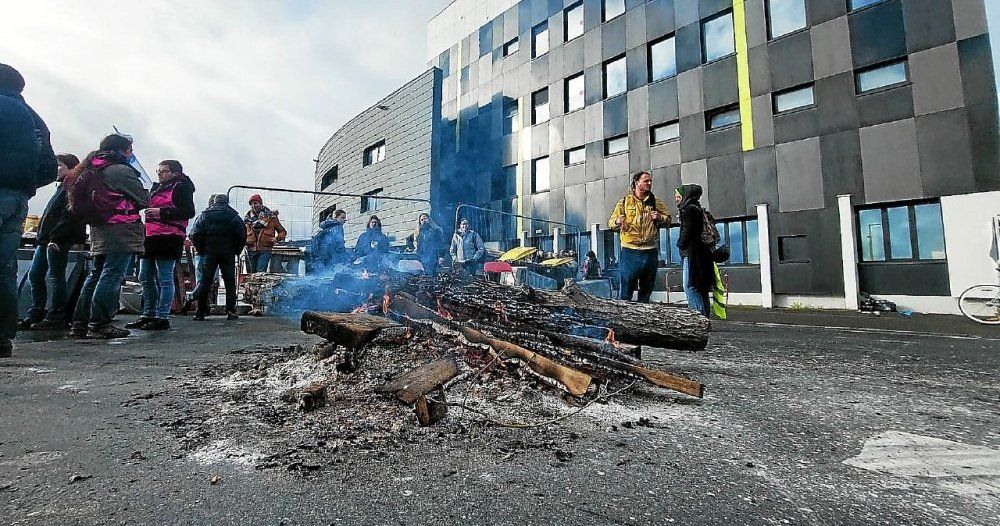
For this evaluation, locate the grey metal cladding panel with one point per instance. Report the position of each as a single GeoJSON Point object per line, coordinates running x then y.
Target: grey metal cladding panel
{"type": "Point", "coordinates": [557, 205]}
{"type": "Point", "coordinates": [760, 71]}
{"type": "Point", "coordinates": [696, 172]}
{"type": "Point", "coordinates": [693, 137]}
{"type": "Point", "coordinates": [524, 21]}
{"type": "Point", "coordinates": [663, 101]}
{"type": "Point", "coordinates": [595, 122]}
{"type": "Point", "coordinates": [970, 18]}
{"type": "Point", "coordinates": [540, 140]}
{"type": "Point", "coordinates": [636, 67]}
{"type": "Point", "coordinates": [796, 125]}
{"type": "Point", "coordinates": [719, 84]}
{"type": "Point", "coordinates": [890, 162]}
{"type": "Point", "coordinates": [822, 10]}
{"type": "Point", "coordinates": [686, 12]}
{"type": "Point", "coordinates": [615, 188]}
{"type": "Point", "coordinates": [722, 142]}
{"type": "Point", "coordinates": [592, 13]}
{"type": "Point", "coordinates": [509, 146]}
{"type": "Point", "coordinates": [877, 33]}
{"type": "Point", "coordinates": [665, 180]}
{"type": "Point", "coordinates": [593, 85]}
{"type": "Point", "coordinates": [638, 108]}
{"type": "Point", "coordinates": [597, 212]}
{"type": "Point", "coordinates": [823, 274]}
{"type": "Point", "coordinates": [539, 71]}
{"type": "Point", "coordinates": [831, 48]}
{"type": "Point", "coordinates": [574, 129]}
{"type": "Point", "coordinates": [761, 171]}
{"type": "Point", "coordinates": [659, 18]}
{"type": "Point", "coordinates": [575, 175]}
{"type": "Point", "coordinates": [977, 70]}
{"type": "Point", "coordinates": [763, 121]}
{"type": "Point", "coordinates": [638, 151]}
{"type": "Point", "coordinates": [576, 204]}
{"type": "Point", "coordinates": [556, 65]}
{"type": "Point", "coordinates": [556, 138]}
{"type": "Point", "coordinates": [791, 60]}
{"type": "Point", "coordinates": [800, 175]}
{"type": "Point", "coordinates": [687, 44]}
{"type": "Point", "coordinates": [937, 80]}
{"type": "Point", "coordinates": [592, 47]}
{"type": "Point", "coordinates": [539, 11]}
{"type": "Point", "coordinates": [838, 110]}
{"type": "Point", "coordinates": [929, 23]}
{"type": "Point", "coordinates": [841, 153]}
{"type": "Point", "coordinates": [613, 38]}
{"type": "Point", "coordinates": [572, 57]}
{"type": "Point", "coordinates": [985, 145]}
{"type": "Point", "coordinates": [689, 92]}
{"type": "Point", "coordinates": [727, 185]}
{"type": "Point", "coordinates": [616, 165]}
{"type": "Point", "coordinates": [756, 23]}
{"type": "Point", "coordinates": [595, 161]}
{"type": "Point", "coordinates": [945, 151]}
{"type": "Point", "coordinates": [707, 8]}
{"type": "Point", "coordinates": [666, 154]}
{"type": "Point", "coordinates": [885, 106]}
{"type": "Point", "coordinates": [635, 27]}
{"type": "Point", "coordinates": [922, 278]}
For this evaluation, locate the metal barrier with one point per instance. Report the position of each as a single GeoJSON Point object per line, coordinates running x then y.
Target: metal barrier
{"type": "Point", "coordinates": [502, 231]}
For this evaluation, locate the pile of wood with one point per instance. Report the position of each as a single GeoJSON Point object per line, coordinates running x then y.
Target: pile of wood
{"type": "Point", "coordinates": [569, 340]}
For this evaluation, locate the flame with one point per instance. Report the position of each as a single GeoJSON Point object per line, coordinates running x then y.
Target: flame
{"type": "Point", "coordinates": [501, 310]}
{"type": "Point", "coordinates": [611, 337]}
{"type": "Point", "coordinates": [386, 299]}
{"type": "Point", "coordinates": [442, 312]}
{"type": "Point", "coordinates": [363, 309]}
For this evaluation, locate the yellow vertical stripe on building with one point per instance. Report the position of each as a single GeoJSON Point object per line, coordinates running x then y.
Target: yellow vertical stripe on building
{"type": "Point", "coordinates": [743, 72]}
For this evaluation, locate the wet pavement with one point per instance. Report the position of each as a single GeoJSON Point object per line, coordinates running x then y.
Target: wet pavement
{"type": "Point", "coordinates": [800, 425]}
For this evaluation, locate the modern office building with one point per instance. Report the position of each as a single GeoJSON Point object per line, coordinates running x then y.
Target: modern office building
{"type": "Point", "coordinates": [844, 145]}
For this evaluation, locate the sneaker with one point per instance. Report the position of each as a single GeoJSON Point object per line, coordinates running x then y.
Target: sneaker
{"type": "Point", "coordinates": [232, 316]}
{"type": "Point", "coordinates": [78, 332]}
{"type": "Point", "coordinates": [49, 325]}
{"type": "Point", "coordinates": [199, 317]}
{"type": "Point", "coordinates": [157, 324]}
{"type": "Point", "coordinates": [6, 349]}
{"type": "Point", "coordinates": [107, 332]}
{"type": "Point", "coordinates": [25, 324]}
{"type": "Point", "coordinates": [139, 323]}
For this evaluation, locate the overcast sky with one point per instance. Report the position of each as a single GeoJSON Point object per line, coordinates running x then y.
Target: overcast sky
{"type": "Point", "coordinates": [240, 92]}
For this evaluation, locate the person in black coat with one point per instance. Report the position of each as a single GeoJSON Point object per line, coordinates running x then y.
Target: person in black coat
{"type": "Point", "coordinates": [219, 235]}
{"type": "Point", "coordinates": [372, 245]}
{"type": "Point", "coordinates": [429, 244]}
{"type": "Point", "coordinates": [698, 267]}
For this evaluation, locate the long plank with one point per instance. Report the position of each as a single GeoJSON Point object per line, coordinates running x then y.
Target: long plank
{"type": "Point", "coordinates": [417, 382]}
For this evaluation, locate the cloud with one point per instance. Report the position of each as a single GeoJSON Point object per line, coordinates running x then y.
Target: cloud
{"type": "Point", "coordinates": [239, 92]}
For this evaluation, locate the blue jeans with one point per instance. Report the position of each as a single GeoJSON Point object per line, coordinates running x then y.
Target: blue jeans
{"type": "Point", "coordinates": [638, 272]}
{"type": "Point", "coordinates": [48, 282]}
{"type": "Point", "coordinates": [100, 297]}
{"type": "Point", "coordinates": [697, 300]}
{"type": "Point", "coordinates": [157, 277]}
{"type": "Point", "coordinates": [13, 210]}
{"type": "Point", "coordinates": [258, 261]}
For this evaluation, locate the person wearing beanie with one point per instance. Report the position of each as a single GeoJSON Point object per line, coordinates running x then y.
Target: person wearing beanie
{"type": "Point", "coordinates": [263, 230]}
{"type": "Point", "coordinates": [27, 163]}
{"type": "Point", "coordinates": [113, 243]}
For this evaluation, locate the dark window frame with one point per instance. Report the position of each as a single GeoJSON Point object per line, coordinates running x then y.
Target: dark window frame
{"type": "Point", "coordinates": [604, 76]}
{"type": "Point", "coordinates": [566, 11]}
{"type": "Point", "coordinates": [905, 82]}
{"type": "Point", "coordinates": [911, 214]}
{"type": "Point", "coordinates": [781, 252]}
{"type": "Point", "coordinates": [704, 48]}
{"type": "Point", "coordinates": [370, 200]}
{"type": "Point", "coordinates": [767, 21]}
{"type": "Point", "coordinates": [652, 132]}
{"type": "Point", "coordinates": [534, 175]}
{"type": "Point", "coordinates": [566, 156]}
{"type": "Point", "coordinates": [535, 33]}
{"type": "Point", "coordinates": [776, 94]}
{"type": "Point", "coordinates": [534, 107]}
{"type": "Point", "coordinates": [607, 143]}
{"type": "Point", "coordinates": [604, 11]}
{"type": "Point", "coordinates": [718, 111]}
{"type": "Point", "coordinates": [327, 212]}
{"type": "Point", "coordinates": [512, 43]}
{"type": "Point", "coordinates": [649, 59]}
{"type": "Point", "coordinates": [579, 75]}
{"type": "Point", "coordinates": [329, 178]}
{"type": "Point", "coordinates": [368, 160]}
{"type": "Point", "coordinates": [724, 239]}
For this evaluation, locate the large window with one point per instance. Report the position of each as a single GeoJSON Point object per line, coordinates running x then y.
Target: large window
{"type": "Point", "coordinates": [370, 201]}
{"type": "Point", "coordinates": [670, 255]}
{"type": "Point", "coordinates": [662, 59]}
{"type": "Point", "coordinates": [742, 237]}
{"type": "Point", "coordinates": [328, 178]}
{"type": "Point", "coordinates": [574, 21]}
{"type": "Point", "coordinates": [540, 40]}
{"type": "Point", "coordinates": [539, 175]}
{"type": "Point", "coordinates": [785, 16]}
{"type": "Point", "coordinates": [616, 145]}
{"type": "Point", "coordinates": [327, 212]}
{"type": "Point", "coordinates": [613, 8]}
{"type": "Point", "coordinates": [901, 233]}
{"type": "Point", "coordinates": [881, 76]}
{"type": "Point", "coordinates": [793, 99]}
{"type": "Point", "coordinates": [722, 117]}
{"type": "Point", "coordinates": [576, 156]}
{"type": "Point", "coordinates": [504, 183]}
{"type": "Point", "coordinates": [574, 93]}
{"type": "Point", "coordinates": [540, 106]}
{"type": "Point", "coordinates": [374, 153]}
{"type": "Point", "coordinates": [614, 77]}
{"type": "Point", "coordinates": [717, 38]}
{"type": "Point", "coordinates": [511, 47]}
{"type": "Point", "coordinates": [511, 116]}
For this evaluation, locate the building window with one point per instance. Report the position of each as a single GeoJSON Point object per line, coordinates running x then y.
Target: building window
{"type": "Point", "coordinates": [576, 156]}
{"type": "Point", "coordinates": [511, 122]}
{"type": "Point", "coordinates": [614, 77]}
{"type": "Point", "coordinates": [881, 76]}
{"type": "Point", "coordinates": [613, 8]}
{"type": "Point", "coordinates": [370, 201]}
{"type": "Point", "coordinates": [901, 233]}
{"type": "Point", "coordinates": [511, 47]}
{"type": "Point", "coordinates": [374, 153]}
{"type": "Point", "coordinates": [574, 21]}
{"type": "Point", "coordinates": [662, 59]}
{"type": "Point", "coordinates": [741, 236]}
{"type": "Point", "coordinates": [328, 178]}
{"type": "Point", "coordinates": [785, 16]}
{"type": "Point", "coordinates": [540, 106]}
{"type": "Point", "coordinates": [616, 145]}
{"type": "Point", "coordinates": [717, 38]}
{"type": "Point", "coordinates": [858, 4]}
{"type": "Point", "coordinates": [327, 212]}
{"type": "Point", "coordinates": [539, 175]}
{"type": "Point", "coordinates": [574, 93]}
{"type": "Point", "coordinates": [540, 40]}
{"type": "Point", "coordinates": [665, 132]}
{"type": "Point", "coordinates": [722, 117]}
{"type": "Point", "coordinates": [793, 249]}
{"type": "Point", "coordinates": [794, 99]}
{"type": "Point", "coordinates": [670, 255]}
{"type": "Point", "coordinates": [504, 184]}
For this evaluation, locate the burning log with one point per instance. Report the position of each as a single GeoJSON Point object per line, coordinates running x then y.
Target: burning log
{"type": "Point", "coordinates": [422, 380]}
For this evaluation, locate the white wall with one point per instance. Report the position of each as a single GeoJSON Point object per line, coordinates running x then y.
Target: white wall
{"type": "Point", "coordinates": [968, 238]}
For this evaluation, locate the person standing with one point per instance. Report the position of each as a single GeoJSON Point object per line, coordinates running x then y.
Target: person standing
{"type": "Point", "coordinates": [171, 206]}
{"type": "Point", "coordinates": [263, 230]}
{"type": "Point", "coordinates": [428, 244]}
{"type": "Point", "coordinates": [113, 242]}
{"type": "Point", "coordinates": [638, 217]}
{"type": "Point", "coordinates": [591, 267]}
{"type": "Point", "coordinates": [697, 265]}
{"type": "Point", "coordinates": [27, 163]}
{"type": "Point", "coordinates": [327, 248]}
{"type": "Point", "coordinates": [58, 232]}
{"type": "Point", "coordinates": [466, 247]}
{"type": "Point", "coordinates": [372, 244]}
{"type": "Point", "coordinates": [219, 236]}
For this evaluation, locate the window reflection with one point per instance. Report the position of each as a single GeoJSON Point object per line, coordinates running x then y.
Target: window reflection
{"type": "Point", "coordinates": [930, 231]}
{"type": "Point", "coordinates": [870, 234]}
{"type": "Point", "coordinates": [662, 59]}
{"type": "Point", "coordinates": [614, 77]}
{"type": "Point", "coordinates": [785, 16]}
{"type": "Point", "coordinates": [899, 233]}
{"type": "Point", "coordinates": [717, 37]}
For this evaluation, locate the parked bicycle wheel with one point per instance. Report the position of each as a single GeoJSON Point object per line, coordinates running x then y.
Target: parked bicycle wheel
{"type": "Point", "coordinates": [981, 304]}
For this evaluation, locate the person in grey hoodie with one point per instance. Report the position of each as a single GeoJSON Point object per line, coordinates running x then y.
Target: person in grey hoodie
{"type": "Point", "coordinates": [113, 244]}
{"type": "Point", "coordinates": [466, 247]}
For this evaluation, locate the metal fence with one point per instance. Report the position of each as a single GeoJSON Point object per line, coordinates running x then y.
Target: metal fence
{"type": "Point", "coordinates": [502, 231]}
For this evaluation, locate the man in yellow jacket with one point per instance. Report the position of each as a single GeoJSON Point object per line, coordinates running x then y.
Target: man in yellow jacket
{"type": "Point", "coordinates": [638, 218]}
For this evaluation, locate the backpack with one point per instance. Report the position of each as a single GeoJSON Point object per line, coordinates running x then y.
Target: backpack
{"type": "Point", "coordinates": [88, 198]}
{"type": "Point", "coordinates": [709, 233]}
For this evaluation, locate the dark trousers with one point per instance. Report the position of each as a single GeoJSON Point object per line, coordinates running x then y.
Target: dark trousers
{"type": "Point", "coordinates": [258, 262]}
{"type": "Point", "coordinates": [13, 210]}
{"type": "Point", "coordinates": [48, 282]}
{"type": "Point", "coordinates": [100, 297]}
{"type": "Point", "coordinates": [225, 265]}
{"type": "Point", "coordinates": [638, 272]}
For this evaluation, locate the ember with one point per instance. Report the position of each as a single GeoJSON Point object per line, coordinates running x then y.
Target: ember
{"type": "Point", "coordinates": [611, 338]}
{"type": "Point", "coordinates": [386, 300]}
{"type": "Point", "coordinates": [442, 312]}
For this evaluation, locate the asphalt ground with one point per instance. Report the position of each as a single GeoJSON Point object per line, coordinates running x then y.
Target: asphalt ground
{"type": "Point", "coordinates": [86, 437]}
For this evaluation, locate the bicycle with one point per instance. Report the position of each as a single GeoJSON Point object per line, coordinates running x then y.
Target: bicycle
{"type": "Point", "coordinates": [981, 303]}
